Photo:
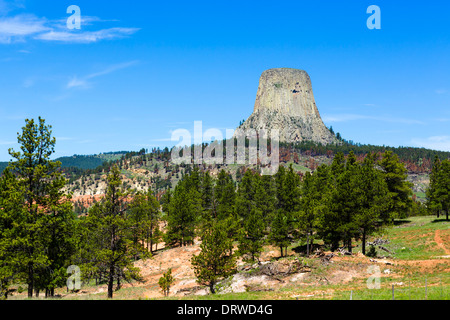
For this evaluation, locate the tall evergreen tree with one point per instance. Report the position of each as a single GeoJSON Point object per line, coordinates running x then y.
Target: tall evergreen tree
{"type": "Point", "coordinates": [225, 204]}
{"type": "Point", "coordinates": [344, 202]}
{"type": "Point", "coordinates": [12, 216]}
{"type": "Point", "coordinates": [108, 222]}
{"type": "Point", "coordinates": [283, 227]}
{"type": "Point", "coordinates": [43, 236]}
{"type": "Point", "coordinates": [329, 219]}
{"type": "Point", "coordinates": [279, 232]}
{"type": "Point", "coordinates": [314, 203]}
{"type": "Point", "coordinates": [207, 196]}
{"type": "Point", "coordinates": [144, 212]}
{"type": "Point", "coordinates": [245, 197]}
{"type": "Point", "coordinates": [373, 198]}
{"type": "Point", "coordinates": [224, 195]}
{"type": "Point", "coordinates": [440, 188]}
{"type": "Point", "coordinates": [265, 197]}
{"type": "Point", "coordinates": [433, 203]}
{"type": "Point", "coordinates": [395, 175]}
{"type": "Point", "coordinates": [216, 260]}
{"type": "Point", "coordinates": [251, 238]}
{"type": "Point", "coordinates": [184, 213]}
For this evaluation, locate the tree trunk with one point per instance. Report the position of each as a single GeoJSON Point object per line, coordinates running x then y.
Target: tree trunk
{"type": "Point", "coordinates": [334, 246]}
{"type": "Point", "coordinates": [211, 287]}
{"type": "Point", "coordinates": [350, 245]}
{"type": "Point", "coordinates": [151, 242]}
{"type": "Point", "coordinates": [111, 282]}
{"type": "Point", "coordinates": [30, 280]}
{"type": "Point", "coordinates": [364, 242]}
{"type": "Point", "coordinates": [307, 244]}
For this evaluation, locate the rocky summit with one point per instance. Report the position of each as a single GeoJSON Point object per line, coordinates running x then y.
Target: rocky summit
{"type": "Point", "coordinates": [285, 101]}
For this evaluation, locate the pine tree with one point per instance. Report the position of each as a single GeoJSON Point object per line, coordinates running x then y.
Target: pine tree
{"type": "Point", "coordinates": [441, 188]}
{"type": "Point", "coordinates": [314, 203]}
{"type": "Point", "coordinates": [433, 203]}
{"type": "Point", "coordinates": [344, 202]}
{"type": "Point", "coordinates": [279, 232]}
{"type": "Point", "coordinates": [251, 239]}
{"type": "Point", "coordinates": [372, 196]}
{"type": "Point", "coordinates": [207, 195]}
{"type": "Point", "coordinates": [144, 212]}
{"type": "Point", "coordinates": [43, 236]}
{"type": "Point", "coordinates": [287, 208]}
{"type": "Point", "coordinates": [184, 213]}
{"type": "Point", "coordinates": [224, 195]}
{"type": "Point", "coordinates": [395, 175]}
{"type": "Point", "coordinates": [166, 281]}
{"type": "Point", "coordinates": [108, 223]}
{"type": "Point", "coordinates": [245, 197]}
{"type": "Point", "coordinates": [12, 214]}
{"type": "Point", "coordinates": [216, 260]}
{"type": "Point", "coordinates": [330, 213]}
{"type": "Point", "coordinates": [225, 203]}
{"type": "Point", "coordinates": [265, 197]}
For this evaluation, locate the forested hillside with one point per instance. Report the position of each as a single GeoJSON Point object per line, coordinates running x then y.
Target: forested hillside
{"type": "Point", "coordinates": [142, 199]}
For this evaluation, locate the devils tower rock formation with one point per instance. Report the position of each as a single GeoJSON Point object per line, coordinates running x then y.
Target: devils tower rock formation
{"type": "Point", "coordinates": [285, 101]}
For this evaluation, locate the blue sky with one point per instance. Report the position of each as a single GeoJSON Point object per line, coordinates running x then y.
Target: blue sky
{"type": "Point", "coordinates": [137, 70]}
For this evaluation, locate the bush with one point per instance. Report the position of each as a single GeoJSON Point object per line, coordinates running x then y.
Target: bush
{"type": "Point", "coordinates": [372, 252]}
{"type": "Point", "coordinates": [165, 282]}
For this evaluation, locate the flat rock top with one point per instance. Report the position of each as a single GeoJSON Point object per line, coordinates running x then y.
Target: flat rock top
{"type": "Point", "coordinates": [288, 91]}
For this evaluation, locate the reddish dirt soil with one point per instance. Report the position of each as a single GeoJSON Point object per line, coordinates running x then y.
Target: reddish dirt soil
{"type": "Point", "coordinates": [440, 242]}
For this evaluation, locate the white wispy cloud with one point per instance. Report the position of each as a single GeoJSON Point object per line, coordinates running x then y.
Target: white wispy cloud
{"type": "Point", "coordinates": [443, 119]}
{"type": "Point", "coordinates": [10, 5]}
{"type": "Point", "coordinates": [356, 117]}
{"type": "Point", "coordinates": [87, 36]}
{"type": "Point", "coordinates": [343, 117]}
{"type": "Point", "coordinates": [85, 21]}
{"type": "Point", "coordinates": [22, 27]}
{"type": "Point", "coordinates": [74, 82]}
{"type": "Point", "coordinates": [17, 28]}
{"type": "Point", "coordinates": [164, 140]}
{"type": "Point", "coordinates": [7, 143]}
{"type": "Point", "coordinates": [64, 139]}
{"type": "Point", "coordinates": [441, 143]}
{"type": "Point", "coordinates": [83, 82]}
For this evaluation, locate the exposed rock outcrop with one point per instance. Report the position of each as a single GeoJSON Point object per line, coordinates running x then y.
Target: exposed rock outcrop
{"type": "Point", "coordinates": [285, 101]}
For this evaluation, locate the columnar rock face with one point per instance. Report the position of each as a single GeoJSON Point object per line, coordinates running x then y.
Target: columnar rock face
{"type": "Point", "coordinates": [285, 101]}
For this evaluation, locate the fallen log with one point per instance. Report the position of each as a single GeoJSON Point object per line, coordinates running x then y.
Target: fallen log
{"type": "Point", "coordinates": [385, 249]}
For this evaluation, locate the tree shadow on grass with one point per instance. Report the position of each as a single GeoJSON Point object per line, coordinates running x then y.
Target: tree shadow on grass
{"type": "Point", "coordinates": [440, 220]}
{"type": "Point", "coordinates": [401, 222]}
{"type": "Point", "coordinates": [302, 248]}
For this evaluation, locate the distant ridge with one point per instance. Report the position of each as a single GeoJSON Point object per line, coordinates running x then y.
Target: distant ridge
{"type": "Point", "coordinates": [84, 162]}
